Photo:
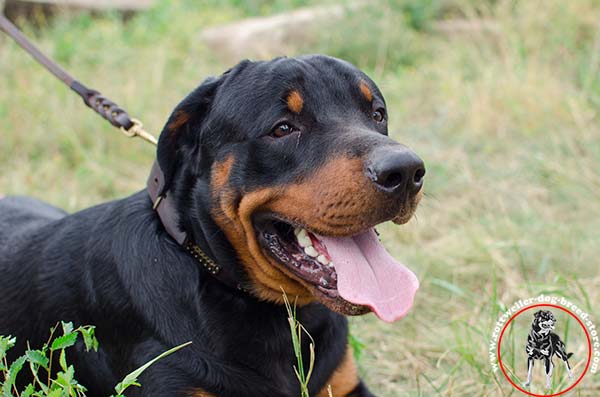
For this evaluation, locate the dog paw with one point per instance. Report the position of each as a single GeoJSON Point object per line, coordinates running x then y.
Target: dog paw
{"type": "Point", "coordinates": [571, 375]}
{"type": "Point", "coordinates": [526, 384]}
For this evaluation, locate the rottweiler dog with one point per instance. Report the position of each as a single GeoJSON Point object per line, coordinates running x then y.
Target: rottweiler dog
{"type": "Point", "coordinates": [269, 178]}
{"type": "Point", "coordinates": [543, 344]}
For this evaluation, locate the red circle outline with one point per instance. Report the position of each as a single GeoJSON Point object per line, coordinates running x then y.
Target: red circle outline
{"type": "Point", "coordinates": [586, 366]}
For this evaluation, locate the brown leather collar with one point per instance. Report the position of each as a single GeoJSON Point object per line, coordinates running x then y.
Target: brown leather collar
{"type": "Point", "coordinates": [164, 207]}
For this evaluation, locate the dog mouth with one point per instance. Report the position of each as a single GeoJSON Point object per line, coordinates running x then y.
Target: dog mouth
{"type": "Point", "coordinates": [301, 252]}
{"type": "Point", "coordinates": [351, 274]}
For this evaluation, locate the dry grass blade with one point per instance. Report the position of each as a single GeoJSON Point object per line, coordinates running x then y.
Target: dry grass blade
{"type": "Point", "coordinates": [297, 330]}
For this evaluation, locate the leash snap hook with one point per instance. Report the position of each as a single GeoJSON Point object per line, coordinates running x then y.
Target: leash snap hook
{"type": "Point", "coordinates": [137, 130]}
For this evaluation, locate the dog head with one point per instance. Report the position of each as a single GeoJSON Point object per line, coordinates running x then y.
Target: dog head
{"type": "Point", "coordinates": [288, 164]}
{"type": "Point", "coordinates": [543, 321]}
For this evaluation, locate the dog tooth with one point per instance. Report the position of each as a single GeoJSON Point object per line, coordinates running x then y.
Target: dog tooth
{"type": "Point", "coordinates": [322, 260]}
{"type": "Point", "coordinates": [300, 232]}
{"type": "Point", "coordinates": [311, 251]}
{"type": "Point", "coordinates": [304, 240]}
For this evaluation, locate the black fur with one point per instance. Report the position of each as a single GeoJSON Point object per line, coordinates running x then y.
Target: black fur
{"type": "Point", "coordinates": [114, 266]}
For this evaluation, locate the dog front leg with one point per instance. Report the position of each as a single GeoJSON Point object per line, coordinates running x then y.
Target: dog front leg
{"type": "Point", "coordinates": [549, 366]}
{"type": "Point", "coordinates": [530, 362]}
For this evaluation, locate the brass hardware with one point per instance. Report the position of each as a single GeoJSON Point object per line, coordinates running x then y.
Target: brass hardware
{"type": "Point", "coordinates": [137, 130]}
{"type": "Point", "coordinates": [204, 260]}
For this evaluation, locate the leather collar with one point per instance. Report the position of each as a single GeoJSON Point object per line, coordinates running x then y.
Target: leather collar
{"type": "Point", "coordinates": [165, 208]}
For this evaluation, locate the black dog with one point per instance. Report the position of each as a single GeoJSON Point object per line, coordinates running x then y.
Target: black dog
{"type": "Point", "coordinates": [270, 177]}
{"type": "Point", "coordinates": [542, 344]}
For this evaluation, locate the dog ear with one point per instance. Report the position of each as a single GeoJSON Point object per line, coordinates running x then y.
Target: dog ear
{"type": "Point", "coordinates": [185, 121]}
{"type": "Point", "coordinates": [537, 314]}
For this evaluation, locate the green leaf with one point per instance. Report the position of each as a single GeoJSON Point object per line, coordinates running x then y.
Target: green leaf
{"type": "Point", "coordinates": [63, 359]}
{"type": "Point", "coordinates": [67, 328]}
{"type": "Point", "coordinates": [28, 391]}
{"type": "Point", "coordinates": [58, 392]}
{"type": "Point", "coordinates": [64, 341]}
{"type": "Point", "coordinates": [131, 379]}
{"type": "Point", "coordinates": [11, 375]}
{"type": "Point", "coordinates": [37, 357]}
{"type": "Point", "coordinates": [65, 379]}
{"type": "Point", "coordinates": [6, 342]}
{"type": "Point", "coordinates": [89, 338]}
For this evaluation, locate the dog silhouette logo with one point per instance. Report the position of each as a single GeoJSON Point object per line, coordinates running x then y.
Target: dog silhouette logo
{"type": "Point", "coordinates": [543, 344]}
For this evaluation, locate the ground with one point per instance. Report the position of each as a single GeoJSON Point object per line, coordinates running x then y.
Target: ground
{"type": "Point", "coordinates": [503, 109]}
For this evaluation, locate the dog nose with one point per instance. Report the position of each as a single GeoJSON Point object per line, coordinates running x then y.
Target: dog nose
{"type": "Point", "coordinates": [396, 169]}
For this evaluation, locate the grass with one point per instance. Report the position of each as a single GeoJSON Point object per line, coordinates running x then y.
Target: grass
{"type": "Point", "coordinates": [297, 330]}
{"type": "Point", "coordinates": [506, 118]}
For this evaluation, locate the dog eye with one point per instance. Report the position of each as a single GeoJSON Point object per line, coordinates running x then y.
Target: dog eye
{"type": "Point", "coordinates": [378, 115]}
{"type": "Point", "coordinates": [282, 130]}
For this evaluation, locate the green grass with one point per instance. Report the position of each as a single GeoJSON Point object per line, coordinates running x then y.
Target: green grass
{"type": "Point", "coordinates": [297, 331]}
{"type": "Point", "coordinates": [507, 120]}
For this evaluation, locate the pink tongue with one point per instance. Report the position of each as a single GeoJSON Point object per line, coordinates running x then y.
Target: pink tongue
{"type": "Point", "coordinates": [369, 276]}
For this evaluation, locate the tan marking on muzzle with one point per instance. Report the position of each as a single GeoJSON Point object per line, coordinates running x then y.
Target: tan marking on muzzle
{"type": "Point", "coordinates": [267, 279]}
{"type": "Point", "coordinates": [338, 199]}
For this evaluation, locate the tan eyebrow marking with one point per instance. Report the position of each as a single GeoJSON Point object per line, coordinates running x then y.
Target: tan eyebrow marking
{"type": "Point", "coordinates": [366, 91]}
{"type": "Point", "coordinates": [295, 101]}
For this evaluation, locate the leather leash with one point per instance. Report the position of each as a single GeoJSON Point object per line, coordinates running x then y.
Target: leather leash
{"type": "Point", "coordinates": [92, 98]}
{"type": "Point", "coordinates": [131, 127]}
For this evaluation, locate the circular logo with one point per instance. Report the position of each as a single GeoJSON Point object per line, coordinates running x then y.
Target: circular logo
{"type": "Point", "coordinates": [544, 350]}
